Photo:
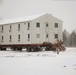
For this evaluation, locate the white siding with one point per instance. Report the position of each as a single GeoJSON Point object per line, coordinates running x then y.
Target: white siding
{"type": "Point", "coordinates": [14, 33]}
{"type": "Point", "coordinates": [33, 31]}
{"type": "Point", "coordinates": [50, 30]}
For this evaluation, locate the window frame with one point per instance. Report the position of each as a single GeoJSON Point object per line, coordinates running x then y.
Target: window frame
{"type": "Point", "coordinates": [38, 25]}
{"type": "Point", "coordinates": [47, 35]}
{"type": "Point", "coordinates": [28, 36]}
{"type": "Point", "coordinates": [37, 35]}
{"type": "Point", "coordinates": [2, 37]}
{"type": "Point", "coordinates": [56, 36]}
{"type": "Point", "coordinates": [10, 37]}
{"type": "Point", "coordinates": [18, 36]}
{"type": "Point", "coordinates": [47, 25]}
{"type": "Point", "coordinates": [10, 27]}
{"type": "Point", "coordinates": [56, 25]}
{"type": "Point", "coordinates": [18, 26]}
{"type": "Point", "coordinates": [2, 28]}
{"type": "Point", "coordinates": [28, 25]}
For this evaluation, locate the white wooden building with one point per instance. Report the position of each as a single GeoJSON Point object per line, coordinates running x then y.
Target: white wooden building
{"type": "Point", "coordinates": [34, 29]}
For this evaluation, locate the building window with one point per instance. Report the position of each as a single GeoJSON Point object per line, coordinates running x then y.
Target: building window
{"type": "Point", "coordinates": [10, 37]}
{"type": "Point", "coordinates": [46, 24]}
{"type": "Point", "coordinates": [2, 37]}
{"type": "Point", "coordinates": [28, 25]}
{"type": "Point", "coordinates": [38, 35]}
{"type": "Point", "coordinates": [10, 27]}
{"type": "Point", "coordinates": [46, 35]}
{"type": "Point", "coordinates": [18, 26]}
{"type": "Point", "coordinates": [37, 24]}
{"type": "Point", "coordinates": [19, 37]}
{"type": "Point", "coordinates": [56, 25]}
{"type": "Point", "coordinates": [56, 36]}
{"type": "Point", "coordinates": [28, 36]}
{"type": "Point", "coordinates": [2, 28]}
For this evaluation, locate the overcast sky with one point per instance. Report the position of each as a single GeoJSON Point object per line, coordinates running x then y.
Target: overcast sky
{"type": "Point", "coordinates": [64, 10]}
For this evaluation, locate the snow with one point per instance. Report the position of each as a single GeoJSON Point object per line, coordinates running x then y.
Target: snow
{"type": "Point", "coordinates": [21, 19]}
{"type": "Point", "coordinates": [38, 63]}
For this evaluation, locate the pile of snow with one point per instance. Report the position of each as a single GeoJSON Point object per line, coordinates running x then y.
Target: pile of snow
{"type": "Point", "coordinates": [38, 63]}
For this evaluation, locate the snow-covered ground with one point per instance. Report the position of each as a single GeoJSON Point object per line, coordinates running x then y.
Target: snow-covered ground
{"type": "Point", "coordinates": [38, 63]}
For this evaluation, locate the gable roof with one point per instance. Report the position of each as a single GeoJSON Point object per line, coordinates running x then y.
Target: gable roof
{"type": "Point", "coordinates": [22, 19]}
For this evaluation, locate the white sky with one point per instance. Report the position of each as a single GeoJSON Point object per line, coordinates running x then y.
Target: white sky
{"type": "Point", "coordinates": [64, 10]}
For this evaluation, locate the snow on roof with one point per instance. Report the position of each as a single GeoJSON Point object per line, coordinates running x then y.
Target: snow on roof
{"type": "Point", "coordinates": [22, 19]}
